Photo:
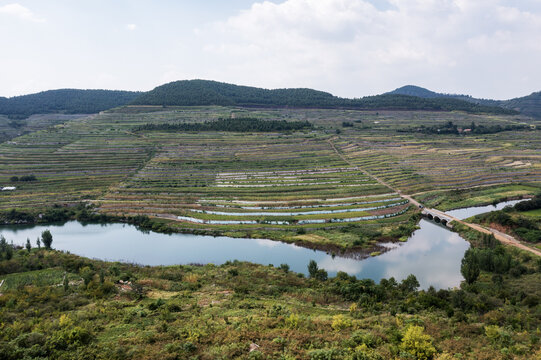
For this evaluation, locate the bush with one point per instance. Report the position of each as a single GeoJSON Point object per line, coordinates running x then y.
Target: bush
{"type": "Point", "coordinates": [70, 337]}
{"type": "Point", "coordinates": [325, 354]}
{"type": "Point", "coordinates": [340, 322]}
{"type": "Point", "coordinates": [28, 178]}
{"type": "Point", "coordinates": [417, 344]}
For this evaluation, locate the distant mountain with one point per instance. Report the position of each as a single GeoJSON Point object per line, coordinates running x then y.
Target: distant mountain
{"type": "Point", "coordinates": [204, 92]}
{"type": "Point", "coordinates": [528, 105]}
{"type": "Point", "coordinates": [412, 90]}
{"type": "Point", "coordinates": [68, 101]}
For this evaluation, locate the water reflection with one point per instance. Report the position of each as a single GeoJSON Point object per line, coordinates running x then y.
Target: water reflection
{"type": "Point", "coordinates": [432, 254]}
{"type": "Point", "coordinates": [465, 213]}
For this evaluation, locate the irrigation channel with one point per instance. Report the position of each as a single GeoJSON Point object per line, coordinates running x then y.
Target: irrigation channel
{"type": "Point", "coordinates": [433, 253]}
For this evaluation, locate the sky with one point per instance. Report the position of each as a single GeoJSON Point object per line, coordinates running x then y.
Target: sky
{"type": "Point", "coordinates": [351, 48]}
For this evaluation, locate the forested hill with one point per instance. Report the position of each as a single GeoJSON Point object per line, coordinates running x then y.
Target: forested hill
{"type": "Point", "coordinates": [203, 92]}
{"type": "Point", "coordinates": [528, 105]}
{"type": "Point", "coordinates": [69, 101]}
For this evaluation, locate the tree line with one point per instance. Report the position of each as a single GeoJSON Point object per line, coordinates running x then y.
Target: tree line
{"type": "Point", "coordinates": [237, 125]}
{"type": "Point", "coordinates": [451, 128]}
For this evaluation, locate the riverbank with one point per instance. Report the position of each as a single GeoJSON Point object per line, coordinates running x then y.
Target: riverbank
{"type": "Point", "coordinates": [247, 311]}
{"type": "Point", "coordinates": [344, 239]}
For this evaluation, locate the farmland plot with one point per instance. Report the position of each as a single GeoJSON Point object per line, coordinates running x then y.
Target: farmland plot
{"type": "Point", "coordinates": [263, 181]}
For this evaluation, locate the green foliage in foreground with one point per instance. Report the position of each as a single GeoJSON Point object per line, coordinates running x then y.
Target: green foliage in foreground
{"type": "Point", "coordinates": [59, 306]}
{"type": "Point", "coordinates": [237, 125]}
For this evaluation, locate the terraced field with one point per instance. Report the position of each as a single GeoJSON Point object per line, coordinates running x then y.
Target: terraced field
{"type": "Point", "coordinates": [262, 181]}
{"type": "Point", "coordinates": [249, 180]}
{"type": "Point", "coordinates": [416, 163]}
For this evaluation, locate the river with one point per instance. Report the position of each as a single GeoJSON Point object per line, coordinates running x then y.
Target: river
{"type": "Point", "coordinates": [432, 253]}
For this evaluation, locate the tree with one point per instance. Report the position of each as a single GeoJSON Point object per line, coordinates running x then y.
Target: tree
{"type": "Point", "coordinates": [28, 245]}
{"type": "Point", "coordinates": [470, 266]}
{"type": "Point", "coordinates": [312, 268]}
{"type": "Point", "coordinates": [87, 274]}
{"type": "Point", "coordinates": [47, 238]}
{"type": "Point", "coordinates": [410, 283]}
{"type": "Point", "coordinates": [38, 243]}
{"type": "Point", "coordinates": [4, 244]}
{"type": "Point", "coordinates": [66, 283]}
{"type": "Point", "coordinates": [6, 250]}
{"type": "Point", "coordinates": [321, 275]}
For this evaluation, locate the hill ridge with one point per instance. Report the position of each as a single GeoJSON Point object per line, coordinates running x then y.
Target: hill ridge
{"type": "Point", "coordinates": [528, 105]}
{"type": "Point", "coordinates": [207, 92]}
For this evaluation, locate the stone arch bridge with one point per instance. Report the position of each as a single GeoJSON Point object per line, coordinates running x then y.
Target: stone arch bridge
{"type": "Point", "coordinates": [438, 216]}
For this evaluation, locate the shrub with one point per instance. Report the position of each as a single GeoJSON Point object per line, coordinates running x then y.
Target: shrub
{"type": "Point", "coordinates": [87, 274]}
{"type": "Point", "coordinates": [340, 322]}
{"type": "Point", "coordinates": [325, 354]}
{"type": "Point", "coordinates": [364, 353]}
{"type": "Point", "coordinates": [70, 337]}
{"type": "Point", "coordinates": [292, 321]}
{"type": "Point", "coordinates": [417, 344]}
{"type": "Point", "coordinates": [28, 178]}
{"type": "Point", "coordinates": [321, 275]}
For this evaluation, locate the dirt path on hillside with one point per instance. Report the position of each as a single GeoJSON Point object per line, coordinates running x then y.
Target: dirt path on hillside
{"type": "Point", "coordinates": [504, 238]}
{"type": "Point", "coordinates": [380, 181]}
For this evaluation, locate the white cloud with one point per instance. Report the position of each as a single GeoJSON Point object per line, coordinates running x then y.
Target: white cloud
{"type": "Point", "coordinates": [352, 48]}
{"type": "Point", "coordinates": [21, 12]}
{"type": "Point", "coordinates": [131, 27]}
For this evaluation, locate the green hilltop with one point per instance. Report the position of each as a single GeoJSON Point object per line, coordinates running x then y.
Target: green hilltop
{"type": "Point", "coordinates": [69, 101]}
{"type": "Point", "coordinates": [204, 92]}
{"type": "Point", "coordinates": [528, 105]}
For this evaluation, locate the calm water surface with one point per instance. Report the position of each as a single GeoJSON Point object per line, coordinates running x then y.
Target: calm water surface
{"type": "Point", "coordinates": [465, 213]}
{"type": "Point", "coordinates": [432, 253]}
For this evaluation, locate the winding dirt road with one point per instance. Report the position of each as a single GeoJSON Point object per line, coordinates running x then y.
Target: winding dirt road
{"type": "Point", "coordinates": [504, 238]}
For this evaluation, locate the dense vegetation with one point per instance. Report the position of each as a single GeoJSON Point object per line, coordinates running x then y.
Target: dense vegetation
{"type": "Point", "coordinates": [69, 101]}
{"type": "Point", "coordinates": [532, 204]}
{"type": "Point", "coordinates": [202, 92]}
{"type": "Point", "coordinates": [451, 128]}
{"type": "Point", "coordinates": [59, 306]}
{"type": "Point", "coordinates": [237, 125]}
{"type": "Point", "coordinates": [528, 105]}
{"type": "Point", "coordinates": [515, 221]}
